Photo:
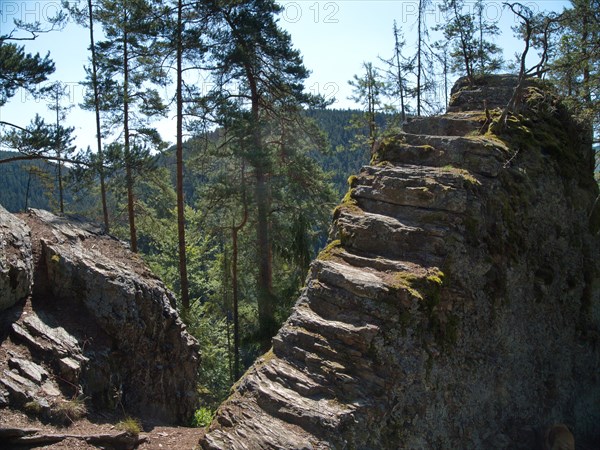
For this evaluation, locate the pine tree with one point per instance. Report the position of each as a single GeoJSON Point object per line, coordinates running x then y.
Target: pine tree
{"type": "Point", "coordinates": [55, 93]}
{"type": "Point", "coordinates": [185, 45]}
{"type": "Point", "coordinates": [24, 70]}
{"type": "Point", "coordinates": [85, 17]}
{"type": "Point", "coordinates": [575, 68]}
{"type": "Point", "coordinates": [367, 91]}
{"type": "Point", "coordinates": [127, 63]}
{"type": "Point", "coordinates": [40, 140]}
{"type": "Point", "coordinates": [20, 70]}
{"type": "Point", "coordinates": [441, 55]}
{"type": "Point", "coordinates": [421, 63]}
{"type": "Point", "coordinates": [471, 54]}
{"type": "Point", "coordinates": [255, 53]}
{"type": "Point", "coordinates": [422, 35]}
{"type": "Point", "coordinates": [400, 68]}
{"type": "Point", "coordinates": [96, 93]}
{"type": "Point", "coordinates": [535, 30]}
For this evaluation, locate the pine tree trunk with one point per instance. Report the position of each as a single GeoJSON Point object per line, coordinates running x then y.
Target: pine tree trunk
{"type": "Point", "coordinates": [400, 81]}
{"type": "Point", "coordinates": [59, 163]}
{"type": "Point", "coordinates": [27, 191]}
{"type": "Point", "coordinates": [98, 130]}
{"type": "Point", "coordinates": [185, 294]}
{"type": "Point", "coordinates": [266, 300]}
{"type": "Point", "coordinates": [234, 278]}
{"type": "Point", "coordinates": [419, 41]}
{"type": "Point", "coordinates": [236, 320]}
{"type": "Point", "coordinates": [586, 44]}
{"type": "Point", "coordinates": [264, 282]}
{"type": "Point", "coordinates": [463, 47]}
{"type": "Point", "coordinates": [128, 170]}
{"type": "Point", "coordinates": [371, 104]}
{"type": "Point", "coordinates": [61, 202]}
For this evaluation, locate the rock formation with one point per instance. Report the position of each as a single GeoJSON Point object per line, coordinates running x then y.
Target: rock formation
{"type": "Point", "coordinates": [98, 325]}
{"type": "Point", "coordinates": [16, 265]}
{"type": "Point", "coordinates": [457, 303]}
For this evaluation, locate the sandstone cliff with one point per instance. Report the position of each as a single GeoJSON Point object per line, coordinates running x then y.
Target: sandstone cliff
{"type": "Point", "coordinates": [457, 303]}
{"type": "Point", "coordinates": [97, 325]}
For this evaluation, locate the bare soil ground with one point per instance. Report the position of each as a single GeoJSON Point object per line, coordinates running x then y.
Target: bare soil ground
{"type": "Point", "coordinates": [157, 436]}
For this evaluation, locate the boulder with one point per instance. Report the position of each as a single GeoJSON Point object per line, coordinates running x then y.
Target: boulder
{"type": "Point", "coordinates": [149, 360]}
{"type": "Point", "coordinates": [97, 324]}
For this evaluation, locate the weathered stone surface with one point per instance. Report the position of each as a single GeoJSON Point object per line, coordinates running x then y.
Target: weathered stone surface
{"type": "Point", "coordinates": [458, 124]}
{"type": "Point", "coordinates": [472, 153]}
{"type": "Point", "coordinates": [4, 397]}
{"type": "Point", "coordinates": [492, 92]}
{"type": "Point", "coordinates": [147, 359]}
{"type": "Point", "coordinates": [57, 339]}
{"type": "Point", "coordinates": [27, 438]}
{"type": "Point", "coordinates": [98, 324]}
{"type": "Point", "coordinates": [457, 305]}
{"type": "Point", "coordinates": [20, 389]}
{"type": "Point", "coordinates": [70, 369]}
{"type": "Point", "coordinates": [16, 261]}
{"type": "Point", "coordinates": [28, 369]}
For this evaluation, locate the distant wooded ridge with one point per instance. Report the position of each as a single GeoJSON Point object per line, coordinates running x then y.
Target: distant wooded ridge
{"type": "Point", "coordinates": [32, 183]}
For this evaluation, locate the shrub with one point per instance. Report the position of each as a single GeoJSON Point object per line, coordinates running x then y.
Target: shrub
{"type": "Point", "coordinates": [202, 417]}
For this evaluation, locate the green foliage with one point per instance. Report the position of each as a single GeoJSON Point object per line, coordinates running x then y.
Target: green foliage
{"type": "Point", "coordinates": [345, 159]}
{"type": "Point", "coordinates": [20, 69]}
{"type": "Point", "coordinates": [465, 31]}
{"type": "Point", "coordinates": [17, 177]}
{"type": "Point", "coordinates": [33, 184]}
{"type": "Point", "coordinates": [207, 324]}
{"type": "Point", "coordinates": [367, 89]}
{"type": "Point", "coordinates": [575, 68]}
{"type": "Point", "coordinates": [39, 139]}
{"type": "Point", "coordinates": [202, 417]}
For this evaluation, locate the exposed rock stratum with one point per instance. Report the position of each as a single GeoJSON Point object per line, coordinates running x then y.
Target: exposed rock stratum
{"type": "Point", "coordinates": [88, 321]}
{"type": "Point", "coordinates": [457, 303]}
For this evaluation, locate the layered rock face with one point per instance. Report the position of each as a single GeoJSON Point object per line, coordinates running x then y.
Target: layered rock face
{"type": "Point", "coordinates": [98, 325]}
{"type": "Point", "coordinates": [457, 303]}
{"type": "Point", "coordinates": [16, 265]}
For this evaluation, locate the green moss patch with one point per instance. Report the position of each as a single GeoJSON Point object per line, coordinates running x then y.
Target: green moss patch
{"type": "Point", "coordinates": [463, 173]}
{"type": "Point", "coordinates": [544, 127]}
{"type": "Point", "coordinates": [427, 288]}
{"type": "Point", "coordinates": [331, 251]}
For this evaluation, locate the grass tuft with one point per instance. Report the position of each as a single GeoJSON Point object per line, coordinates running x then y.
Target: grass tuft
{"type": "Point", "coordinates": [129, 425]}
{"type": "Point", "coordinates": [69, 411]}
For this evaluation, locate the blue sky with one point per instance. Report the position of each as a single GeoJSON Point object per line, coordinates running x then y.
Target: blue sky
{"type": "Point", "coordinates": [334, 37]}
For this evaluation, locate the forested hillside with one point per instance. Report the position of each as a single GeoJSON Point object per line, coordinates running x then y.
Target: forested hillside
{"type": "Point", "coordinates": [340, 161]}
{"type": "Point", "coordinates": [343, 159]}
{"type": "Point", "coordinates": [34, 184]}
{"type": "Point", "coordinates": [27, 184]}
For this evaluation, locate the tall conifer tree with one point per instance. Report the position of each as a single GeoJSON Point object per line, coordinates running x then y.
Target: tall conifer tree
{"type": "Point", "coordinates": [256, 58]}
{"type": "Point", "coordinates": [128, 60]}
